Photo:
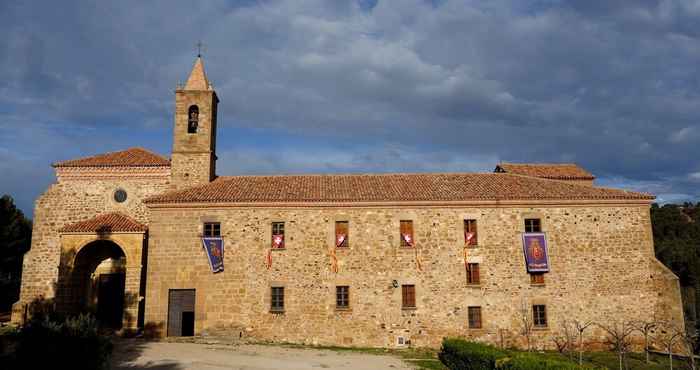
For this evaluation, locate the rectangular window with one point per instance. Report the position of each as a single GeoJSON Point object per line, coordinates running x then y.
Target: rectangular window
{"type": "Point", "coordinates": [474, 313]}
{"type": "Point", "coordinates": [278, 235]}
{"type": "Point", "coordinates": [539, 315]}
{"type": "Point", "coordinates": [342, 234]}
{"type": "Point", "coordinates": [277, 299]}
{"type": "Point", "coordinates": [408, 296]}
{"type": "Point", "coordinates": [473, 273]}
{"type": "Point", "coordinates": [470, 232]}
{"type": "Point", "coordinates": [537, 278]}
{"type": "Point", "coordinates": [342, 297]}
{"type": "Point", "coordinates": [406, 233]}
{"type": "Point", "coordinates": [533, 225]}
{"type": "Point", "coordinates": [212, 229]}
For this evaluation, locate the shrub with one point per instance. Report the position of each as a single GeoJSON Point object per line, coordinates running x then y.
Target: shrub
{"type": "Point", "coordinates": [533, 361]}
{"type": "Point", "coordinates": [73, 343]}
{"type": "Point", "coordinates": [458, 354]}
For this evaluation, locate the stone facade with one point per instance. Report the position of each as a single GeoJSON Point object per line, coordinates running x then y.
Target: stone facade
{"type": "Point", "coordinates": [599, 241]}
{"type": "Point", "coordinates": [80, 194]}
{"type": "Point", "coordinates": [602, 267]}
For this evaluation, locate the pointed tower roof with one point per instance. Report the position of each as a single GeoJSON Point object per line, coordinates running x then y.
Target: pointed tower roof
{"type": "Point", "coordinates": [198, 79]}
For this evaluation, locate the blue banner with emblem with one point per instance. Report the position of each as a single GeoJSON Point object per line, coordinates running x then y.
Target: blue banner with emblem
{"type": "Point", "coordinates": [535, 248]}
{"type": "Point", "coordinates": [215, 251]}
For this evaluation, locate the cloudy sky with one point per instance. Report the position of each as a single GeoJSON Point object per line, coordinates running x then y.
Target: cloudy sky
{"type": "Point", "coordinates": [361, 86]}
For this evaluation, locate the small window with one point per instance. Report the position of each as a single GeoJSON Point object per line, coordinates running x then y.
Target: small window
{"type": "Point", "coordinates": [473, 273]}
{"type": "Point", "coordinates": [537, 278]}
{"type": "Point", "coordinates": [212, 229]}
{"type": "Point", "coordinates": [470, 232]}
{"type": "Point", "coordinates": [408, 296]}
{"type": "Point", "coordinates": [539, 315]}
{"type": "Point", "coordinates": [533, 225]}
{"type": "Point", "coordinates": [406, 233]}
{"type": "Point", "coordinates": [342, 234]}
{"type": "Point", "coordinates": [277, 299]}
{"type": "Point", "coordinates": [192, 119]}
{"type": "Point", "coordinates": [474, 313]}
{"type": "Point", "coordinates": [342, 297]}
{"type": "Point", "coordinates": [278, 235]}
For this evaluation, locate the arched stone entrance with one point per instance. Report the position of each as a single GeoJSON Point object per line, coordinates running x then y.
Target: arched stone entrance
{"type": "Point", "coordinates": [98, 278]}
{"type": "Point", "coordinates": [101, 270]}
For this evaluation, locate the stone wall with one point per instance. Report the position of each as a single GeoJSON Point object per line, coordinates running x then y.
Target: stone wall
{"type": "Point", "coordinates": [80, 194]}
{"type": "Point", "coordinates": [602, 269]}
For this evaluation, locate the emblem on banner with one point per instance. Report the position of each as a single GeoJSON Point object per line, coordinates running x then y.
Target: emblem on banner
{"type": "Point", "coordinates": [535, 249]}
{"type": "Point", "coordinates": [214, 247]}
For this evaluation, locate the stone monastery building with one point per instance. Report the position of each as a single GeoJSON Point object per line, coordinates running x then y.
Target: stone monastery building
{"type": "Point", "coordinates": [167, 246]}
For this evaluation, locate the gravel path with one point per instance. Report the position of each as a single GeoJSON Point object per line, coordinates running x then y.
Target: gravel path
{"type": "Point", "coordinates": [137, 354]}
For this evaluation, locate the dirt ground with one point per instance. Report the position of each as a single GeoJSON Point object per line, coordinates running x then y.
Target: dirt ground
{"type": "Point", "coordinates": [136, 354]}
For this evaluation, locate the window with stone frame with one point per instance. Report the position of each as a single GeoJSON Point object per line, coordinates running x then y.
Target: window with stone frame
{"type": "Point", "coordinates": [473, 274]}
{"type": "Point", "coordinates": [212, 229]}
{"type": "Point", "coordinates": [539, 315]}
{"type": "Point", "coordinates": [470, 229]}
{"type": "Point", "coordinates": [342, 229]}
{"type": "Point", "coordinates": [278, 241]}
{"type": "Point", "coordinates": [277, 299]}
{"type": "Point", "coordinates": [408, 296]}
{"type": "Point", "coordinates": [474, 316]}
{"type": "Point", "coordinates": [342, 297]}
{"type": "Point", "coordinates": [537, 278]}
{"type": "Point", "coordinates": [533, 225]}
{"type": "Point", "coordinates": [406, 232]}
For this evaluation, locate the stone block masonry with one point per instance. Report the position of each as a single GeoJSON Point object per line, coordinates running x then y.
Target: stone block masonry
{"type": "Point", "coordinates": [602, 267]}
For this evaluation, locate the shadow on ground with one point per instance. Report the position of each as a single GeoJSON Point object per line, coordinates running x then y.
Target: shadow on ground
{"type": "Point", "coordinates": [127, 352]}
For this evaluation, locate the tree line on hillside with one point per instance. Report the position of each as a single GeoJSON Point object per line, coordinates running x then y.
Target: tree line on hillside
{"type": "Point", "coordinates": [677, 244]}
{"type": "Point", "coordinates": [15, 239]}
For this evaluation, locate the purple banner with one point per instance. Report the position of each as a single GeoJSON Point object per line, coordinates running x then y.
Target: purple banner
{"type": "Point", "coordinates": [215, 251]}
{"type": "Point", "coordinates": [535, 248]}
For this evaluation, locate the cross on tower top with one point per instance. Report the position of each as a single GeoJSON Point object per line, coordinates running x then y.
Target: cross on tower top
{"type": "Point", "coordinates": [199, 48]}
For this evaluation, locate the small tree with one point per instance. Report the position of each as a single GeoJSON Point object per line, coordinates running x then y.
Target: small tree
{"type": "Point", "coordinates": [668, 338]}
{"type": "Point", "coordinates": [526, 323]}
{"type": "Point", "coordinates": [619, 333]}
{"type": "Point", "coordinates": [564, 339]}
{"type": "Point", "coordinates": [581, 327]}
{"type": "Point", "coordinates": [689, 340]}
{"type": "Point", "coordinates": [646, 328]}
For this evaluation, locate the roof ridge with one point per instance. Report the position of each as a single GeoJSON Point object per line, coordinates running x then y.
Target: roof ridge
{"type": "Point", "coordinates": [118, 158]}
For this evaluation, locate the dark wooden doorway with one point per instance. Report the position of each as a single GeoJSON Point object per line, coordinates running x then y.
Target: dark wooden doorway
{"type": "Point", "coordinates": [110, 300]}
{"type": "Point", "coordinates": [181, 312]}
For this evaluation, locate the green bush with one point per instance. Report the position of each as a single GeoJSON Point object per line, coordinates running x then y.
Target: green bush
{"type": "Point", "coordinates": [534, 361]}
{"type": "Point", "coordinates": [458, 354]}
{"type": "Point", "coordinates": [73, 343]}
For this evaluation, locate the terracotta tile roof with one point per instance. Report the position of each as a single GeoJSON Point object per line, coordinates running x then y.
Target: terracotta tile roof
{"type": "Point", "coordinates": [132, 157]}
{"type": "Point", "coordinates": [555, 171]}
{"type": "Point", "coordinates": [389, 188]}
{"type": "Point", "coordinates": [108, 222]}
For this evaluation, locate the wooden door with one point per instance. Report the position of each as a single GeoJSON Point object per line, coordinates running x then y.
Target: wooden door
{"type": "Point", "coordinates": [181, 312]}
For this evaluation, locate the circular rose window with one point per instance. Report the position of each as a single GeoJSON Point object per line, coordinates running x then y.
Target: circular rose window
{"type": "Point", "coordinates": [120, 196]}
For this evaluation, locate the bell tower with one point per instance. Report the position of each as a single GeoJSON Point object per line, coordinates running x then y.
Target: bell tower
{"type": "Point", "coordinates": [193, 159]}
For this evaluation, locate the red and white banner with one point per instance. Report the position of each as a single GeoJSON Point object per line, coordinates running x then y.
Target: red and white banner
{"type": "Point", "coordinates": [469, 237]}
{"type": "Point", "coordinates": [268, 259]}
{"type": "Point", "coordinates": [339, 240]}
{"type": "Point", "coordinates": [408, 239]}
{"type": "Point", "coordinates": [278, 241]}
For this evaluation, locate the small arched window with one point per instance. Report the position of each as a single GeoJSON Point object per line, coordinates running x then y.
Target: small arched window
{"type": "Point", "coordinates": [192, 119]}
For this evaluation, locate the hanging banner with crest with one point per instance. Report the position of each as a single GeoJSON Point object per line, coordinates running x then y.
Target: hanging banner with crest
{"type": "Point", "coordinates": [535, 249]}
{"type": "Point", "coordinates": [409, 241]}
{"type": "Point", "coordinates": [214, 246]}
